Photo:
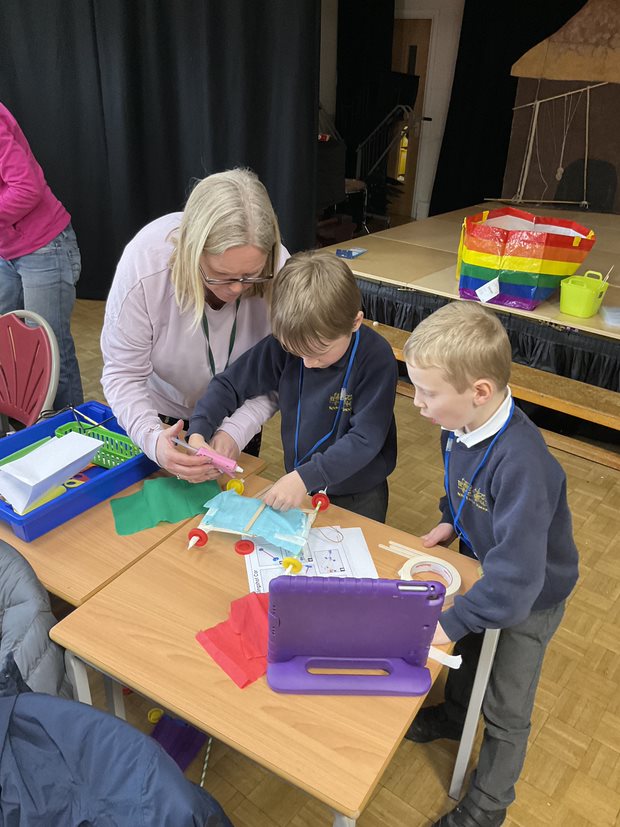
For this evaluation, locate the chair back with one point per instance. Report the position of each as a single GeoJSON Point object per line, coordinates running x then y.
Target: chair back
{"type": "Point", "coordinates": [29, 366]}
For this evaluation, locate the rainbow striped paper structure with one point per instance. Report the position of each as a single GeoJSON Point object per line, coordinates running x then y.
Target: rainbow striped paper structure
{"type": "Point", "coordinates": [529, 254]}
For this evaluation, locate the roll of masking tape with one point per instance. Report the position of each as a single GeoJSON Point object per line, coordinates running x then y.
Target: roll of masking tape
{"type": "Point", "coordinates": [421, 564]}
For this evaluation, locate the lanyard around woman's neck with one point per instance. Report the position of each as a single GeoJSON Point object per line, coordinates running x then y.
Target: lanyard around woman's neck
{"type": "Point", "coordinates": [231, 343]}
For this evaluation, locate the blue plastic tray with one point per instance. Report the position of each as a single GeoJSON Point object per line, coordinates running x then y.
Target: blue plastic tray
{"type": "Point", "coordinates": [102, 482]}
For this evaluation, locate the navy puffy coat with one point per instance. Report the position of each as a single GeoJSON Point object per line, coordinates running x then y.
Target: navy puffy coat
{"type": "Point", "coordinates": [66, 764]}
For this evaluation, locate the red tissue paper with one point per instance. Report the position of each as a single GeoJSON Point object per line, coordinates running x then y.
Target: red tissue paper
{"type": "Point", "coordinates": [239, 644]}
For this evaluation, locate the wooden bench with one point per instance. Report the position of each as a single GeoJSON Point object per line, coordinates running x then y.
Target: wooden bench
{"type": "Point", "coordinates": [558, 393]}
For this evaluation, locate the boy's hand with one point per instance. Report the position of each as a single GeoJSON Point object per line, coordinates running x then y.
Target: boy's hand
{"type": "Point", "coordinates": [225, 445]}
{"type": "Point", "coordinates": [196, 441]}
{"type": "Point", "coordinates": [440, 637]}
{"type": "Point", "coordinates": [442, 535]}
{"type": "Point", "coordinates": [184, 466]}
{"type": "Point", "coordinates": [288, 492]}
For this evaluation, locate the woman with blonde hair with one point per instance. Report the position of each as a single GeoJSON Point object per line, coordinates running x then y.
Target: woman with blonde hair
{"type": "Point", "coordinates": [188, 298]}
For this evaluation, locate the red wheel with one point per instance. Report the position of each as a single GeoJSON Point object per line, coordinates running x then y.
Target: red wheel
{"type": "Point", "coordinates": [197, 537]}
{"type": "Point", "coordinates": [320, 501]}
{"type": "Point", "coordinates": [244, 547]}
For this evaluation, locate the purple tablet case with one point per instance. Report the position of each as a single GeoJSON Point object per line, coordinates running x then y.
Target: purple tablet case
{"type": "Point", "coordinates": [351, 623]}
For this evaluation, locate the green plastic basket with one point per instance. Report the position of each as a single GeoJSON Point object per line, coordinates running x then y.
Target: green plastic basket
{"type": "Point", "coordinates": [115, 449]}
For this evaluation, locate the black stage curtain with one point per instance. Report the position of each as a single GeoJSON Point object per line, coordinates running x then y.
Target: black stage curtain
{"type": "Point", "coordinates": [125, 104]}
{"type": "Point", "coordinates": [559, 350]}
{"type": "Point", "coordinates": [366, 89]}
{"type": "Point", "coordinates": [475, 143]}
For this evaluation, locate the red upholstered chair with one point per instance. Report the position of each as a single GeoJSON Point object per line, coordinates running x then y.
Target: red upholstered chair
{"type": "Point", "coordinates": [28, 366]}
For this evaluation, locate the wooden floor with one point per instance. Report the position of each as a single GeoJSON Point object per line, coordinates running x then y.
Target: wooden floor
{"type": "Point", "coordinates": [572, 772]}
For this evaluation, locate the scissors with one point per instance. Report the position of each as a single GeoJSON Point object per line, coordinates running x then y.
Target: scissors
{"type": "Point", "coordinates": [76, 479]}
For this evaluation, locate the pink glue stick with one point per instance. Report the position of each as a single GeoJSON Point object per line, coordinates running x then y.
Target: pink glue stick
{"type": "Point", "coordinates": [224, 464]}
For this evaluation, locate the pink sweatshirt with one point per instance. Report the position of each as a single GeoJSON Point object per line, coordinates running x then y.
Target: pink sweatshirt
{"type": "Point", "coordinates": [30, 214]}
{"type": "Point", "coordinates": [155, 361]}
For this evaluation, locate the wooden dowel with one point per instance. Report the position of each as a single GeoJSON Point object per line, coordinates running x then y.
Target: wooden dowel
{"type": "Point", "coordinates": [83, 415]}
{"type": "Point", "coordinates": [401, 552]}
{"type": "Point", "coordinates": [394, 544]}
{"type": "Point", "coordinates": [263, 491]}
{"type": "Point", "coordinates": [257, 514]}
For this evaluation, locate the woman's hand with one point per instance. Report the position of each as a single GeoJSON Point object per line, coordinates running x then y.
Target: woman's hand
{"type": "Point", "coordinates": [288, 492]}
{"type": "Point", "coordinates": [176, 461]}
{"type": "Point", "coordinates": [225, 445]}
{"type": "Point", "coordinates": [442, 535]}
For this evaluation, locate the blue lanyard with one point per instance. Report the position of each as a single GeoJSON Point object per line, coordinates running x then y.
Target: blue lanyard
{"type": "Point", "coordinates": [446, 478]}
{"type": "Point", "coordinates": [343, 396]}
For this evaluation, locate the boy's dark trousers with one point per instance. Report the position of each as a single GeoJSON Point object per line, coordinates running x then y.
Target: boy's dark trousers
{"type": "Point", "coordinates": [507, 705]}
{"type": "Point", "coordinates": [372, 504]}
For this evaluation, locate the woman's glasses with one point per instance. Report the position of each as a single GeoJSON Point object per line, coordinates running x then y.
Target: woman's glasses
{"type": "Point", "coordinates": [242, 280]}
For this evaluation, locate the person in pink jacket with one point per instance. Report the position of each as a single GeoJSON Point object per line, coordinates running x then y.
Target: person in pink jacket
{"type": "Point", "coordinates": [39, 255]}
{"type": "Point", "coordinates": [186, 301]}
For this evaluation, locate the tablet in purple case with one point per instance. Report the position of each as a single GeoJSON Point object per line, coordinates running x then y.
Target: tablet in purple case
{"type": "Point", "coordinates": [338, 623]}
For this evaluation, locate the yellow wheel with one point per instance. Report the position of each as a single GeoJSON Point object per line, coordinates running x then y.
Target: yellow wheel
{"type": "Point", "coordinates": [154, 715]}
{"type": "Point", "coordinates": [235, 485]}
{"type": "Point", "coordinates": [291, 564]}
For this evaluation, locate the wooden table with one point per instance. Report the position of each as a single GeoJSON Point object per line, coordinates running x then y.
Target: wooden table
{"type": "Point", "coordinates": [442, 232]}
{"type": "Point", "coordinates": [141, 628]}
{"type": "Point", "coordinates": [79, 557]}
{"type": "Point", "coordinates": [421, 256]}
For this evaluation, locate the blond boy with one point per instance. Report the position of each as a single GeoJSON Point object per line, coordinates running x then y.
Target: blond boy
{"type": "Point", "coordinates": [505, 498]}
{"type": "Point", "coordinates": [335, 381]}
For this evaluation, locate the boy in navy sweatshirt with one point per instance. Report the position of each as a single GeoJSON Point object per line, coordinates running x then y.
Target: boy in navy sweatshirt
{"type": "Point", "coordinates": [335, 380]}
{"type": "Point", "coordinates": [505, 498]}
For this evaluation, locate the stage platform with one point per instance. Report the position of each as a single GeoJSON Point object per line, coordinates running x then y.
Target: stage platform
{"type": "Point", "coordinates": [410, 270]}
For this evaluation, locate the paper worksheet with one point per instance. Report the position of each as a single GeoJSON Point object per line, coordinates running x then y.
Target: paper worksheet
{"type": "Point", "coordinates": [331, 551]}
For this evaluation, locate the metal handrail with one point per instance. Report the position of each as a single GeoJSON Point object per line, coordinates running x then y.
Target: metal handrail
{"type": "Point", "coordinates": [373, 149]}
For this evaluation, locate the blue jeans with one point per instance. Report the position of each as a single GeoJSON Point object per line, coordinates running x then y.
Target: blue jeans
{"type": "Point", "coordinates": [44, 282]}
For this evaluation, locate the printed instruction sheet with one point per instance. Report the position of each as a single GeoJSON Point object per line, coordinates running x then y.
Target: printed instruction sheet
{"type": "Point", "coordinates": [331, 551]}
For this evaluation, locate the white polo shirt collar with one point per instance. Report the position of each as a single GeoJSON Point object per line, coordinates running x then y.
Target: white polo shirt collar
{"type": "Point", "coordinates": [490, 427]}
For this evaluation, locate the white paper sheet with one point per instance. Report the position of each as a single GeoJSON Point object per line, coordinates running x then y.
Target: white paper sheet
{"type": "Point", "coordinates": [330, 552]}
{"type": "Point", "coordinates": [26, 480]}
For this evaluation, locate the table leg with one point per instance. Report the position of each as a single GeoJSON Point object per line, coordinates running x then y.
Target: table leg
{"type": "Point", "coordinates": [485, 662]}
{"type": "Point", "coordinates": [78, 676]}
{"type": "Point", "coordinates": [343, 821]}
{"type": "Point", "coordinates": [114, 697]}
{"type": "Point", "coordinates": [76, 670]}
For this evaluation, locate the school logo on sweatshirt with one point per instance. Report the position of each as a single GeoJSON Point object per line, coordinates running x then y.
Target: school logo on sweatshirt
{"type": "Point", "coordinates": [334, 400]}
{"type": "Point", "coordinates": [475, 496]}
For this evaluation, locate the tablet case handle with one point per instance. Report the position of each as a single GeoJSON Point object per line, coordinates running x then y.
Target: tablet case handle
{"type": "Point", "coordinates": [401, 678]}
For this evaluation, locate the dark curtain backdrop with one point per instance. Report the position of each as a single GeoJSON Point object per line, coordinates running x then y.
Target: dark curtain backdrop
{"type": "Point", "coordinates": [475, 144]}
{"type": "Point", "coordinates": [126, 102]}
{"type": "Point", "coordinates": [364, 93]}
